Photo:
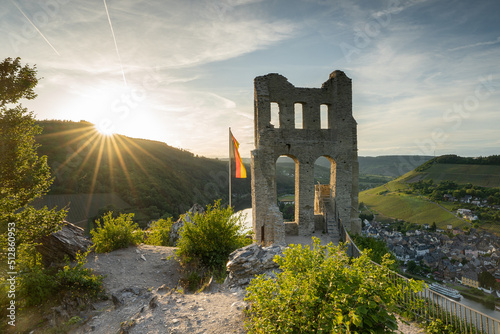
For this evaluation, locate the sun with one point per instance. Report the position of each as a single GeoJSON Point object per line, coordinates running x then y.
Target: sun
{"type": "Point", "coordinates": [96, 145]}
{"type": "Point", "coordinates": [105, 127]}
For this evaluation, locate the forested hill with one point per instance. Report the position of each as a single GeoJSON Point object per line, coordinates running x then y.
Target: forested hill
{"type": "Point", "coordinates": [452, 159]}
{"type": "Point", "coordinates": [480, 171]}
{"type": "Point", "coordinates": [385, 165]}
{"type": "Point", "coordinates": [391, 165]}
{"type": "Point", "coordinates": [153, 178]}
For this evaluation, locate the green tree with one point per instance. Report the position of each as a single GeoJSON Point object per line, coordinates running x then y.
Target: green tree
{"type": "Point", "coordinates": [367, 216]}
{"type": "Point", "coordinates": [487, 280]}
{"type": "Point", "coordinates": [16, 81]}
{"type": "Point", "coordinates": [24, 176]}
{"type": "Point", "coordinates": [412, 267]}
{"type": "Point", "coordinates": [436, 195]}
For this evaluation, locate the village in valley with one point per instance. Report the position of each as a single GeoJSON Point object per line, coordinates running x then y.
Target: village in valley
{"type": "Point", "coordinates": [452, 255]}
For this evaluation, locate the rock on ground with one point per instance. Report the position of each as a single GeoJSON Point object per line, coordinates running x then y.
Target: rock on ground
{"type": "Point", "coordinates": [66, 242]}
{"type": "Point", "coordinates": [179, 224]}
{"type": "Point", "coordinates": [142, 283]}
{"type": "Point", "coordinates": [247, 262]}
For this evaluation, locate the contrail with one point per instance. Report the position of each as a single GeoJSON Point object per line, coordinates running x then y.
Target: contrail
{"type": "Point", "coordinates": [34, 26]}
{"type": "Point", "coordinates": [114, 39]}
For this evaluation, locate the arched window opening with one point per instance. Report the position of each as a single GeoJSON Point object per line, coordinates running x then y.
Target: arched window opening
{"type": "Point", "coordinates": [286, 178]}
{"type": "Point", "coordinates": [299, 123]}
{"type": "Point", "coordinates": [322, 167]}
{"type": "Point", "coordinates": [324, 192]}
{"type": "Point", "coordinates": [324, 116]}
{"type": "Point", "coordinates": [275, 114]}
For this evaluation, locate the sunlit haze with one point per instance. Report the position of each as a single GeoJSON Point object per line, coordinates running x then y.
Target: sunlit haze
{"type": "Point", "coordinates": [425, 73]}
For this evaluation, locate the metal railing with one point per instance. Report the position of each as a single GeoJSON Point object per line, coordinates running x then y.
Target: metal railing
{"type": "Point", "coordinates": [429, 305]}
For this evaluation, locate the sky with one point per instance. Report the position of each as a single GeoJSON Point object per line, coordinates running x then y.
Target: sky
{"type": "Point", "coordinates": [425, 73]}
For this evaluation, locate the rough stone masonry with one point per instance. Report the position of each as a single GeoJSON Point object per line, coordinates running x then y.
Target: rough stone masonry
{"type": "Point", "coordinates": [303, 133]}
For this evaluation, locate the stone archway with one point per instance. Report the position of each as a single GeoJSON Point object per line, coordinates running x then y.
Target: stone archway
{"type": "Point", "coordinates": [291, 225]}
{"type": "Point", "coordinates": [337, 140]}
{"type": "Point", "coordinates": [324, 203]}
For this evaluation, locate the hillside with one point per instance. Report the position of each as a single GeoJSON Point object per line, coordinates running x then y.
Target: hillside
{"type": "Point", "coordinates": [373, 171]}
{"type": "Point", "coordinates": [385, 165]}
{"type": "Point", "coordinates": [479, 175]}
{"type": "Point", "coordinates": [155, 179]}
{"type": "Point", "coordinates": [418, 196]}
{"type": "Point", "coordinates": [83, 206]}
{"type": "Point", "coordinates": [389, 202]}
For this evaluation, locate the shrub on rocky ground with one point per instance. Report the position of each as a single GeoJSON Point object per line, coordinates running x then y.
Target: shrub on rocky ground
{"type": "Point", "coordinates": [39, 284]}
{"type": "Point", "coordinates": [115, 233]}
{"type": "Point", "coordinates": [212, 236]}
{"type": "Point", "coordinates": [322, 290]}
{"type": "Point", "coordinates": [158, 233]}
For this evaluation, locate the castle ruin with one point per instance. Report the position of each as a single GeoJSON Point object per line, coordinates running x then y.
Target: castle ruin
{"type": "Point", "coordinates": [313, 123]}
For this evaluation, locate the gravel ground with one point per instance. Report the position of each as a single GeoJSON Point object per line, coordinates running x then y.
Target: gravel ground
{"type": "Point", "coordinates": [145, 297]}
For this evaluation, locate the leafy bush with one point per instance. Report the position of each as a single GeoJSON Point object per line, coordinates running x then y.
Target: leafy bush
{"type": "Point", "coordinates": [39, 284]}
{"type": "Point", "coordinates": [377, 248]}
{"type": "Point", "coordinates": [115, 233]}
{"type": "Point", "coordinates": [322, 290]}
{"type": "Point", "coordinates": [212, 236]}
{"type": "Point", "coordinates": [158, 233]}
{"type": "Point", "coordinates": [79, 278]}
{"type": "Point", "coordinates": [438, 327]}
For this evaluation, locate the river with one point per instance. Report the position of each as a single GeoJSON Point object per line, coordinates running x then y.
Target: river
{"type": "Point", "coordinates": [248, 218]}
{"type": "Point", "coordinates": [480, 307]}
{"type": "Point", "coordinates": [463, 308]}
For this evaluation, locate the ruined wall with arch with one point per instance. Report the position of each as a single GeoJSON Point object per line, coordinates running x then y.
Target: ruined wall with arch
{"type": "Point", "coordinates": [324, 126]}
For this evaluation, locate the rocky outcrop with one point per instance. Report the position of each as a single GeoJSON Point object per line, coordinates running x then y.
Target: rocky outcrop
{"type": "Point", "coordinates": [177, 226]}
{"type": "Point", "coordinates": [68, 241]}
{"type": "Point", "coordinates": [247, 262]}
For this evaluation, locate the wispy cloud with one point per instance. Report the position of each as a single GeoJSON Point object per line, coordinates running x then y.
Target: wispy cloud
{"type": "Point", "coordinates": [35, 27]}
{"type": "Point", "coordinates": [395, 7]}
{"type": "Point", "coordinates": [189, 66]}
{"type": "Point", "coordinates": [475, 45]}
{"type": "Point", "coordinates": [114, 40]}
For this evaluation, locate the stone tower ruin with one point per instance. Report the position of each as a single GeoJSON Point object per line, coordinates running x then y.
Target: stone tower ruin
{"type": "Point", "coordinates": [304, 133]}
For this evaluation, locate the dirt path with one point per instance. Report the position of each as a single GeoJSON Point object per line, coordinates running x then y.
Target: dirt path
{"type": "Point", "coordinates": [144, 284]}
{"type": "Point", "coordinates": [146, 297]}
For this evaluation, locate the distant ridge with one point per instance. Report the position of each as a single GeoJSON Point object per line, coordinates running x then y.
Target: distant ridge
{"type": "Point", "coordinates": [81, 206]}
{"type": "Point", "coordinates": [385, 165]}
{"type": "Point", "coordinates": [150, 177]}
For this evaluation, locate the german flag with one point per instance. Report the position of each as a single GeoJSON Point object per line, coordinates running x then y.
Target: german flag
{"type": "Point", "coordinates": [237, 168]}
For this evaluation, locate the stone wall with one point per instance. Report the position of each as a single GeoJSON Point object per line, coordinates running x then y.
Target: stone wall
{"type": "Point", "coordinates": [337, 142]}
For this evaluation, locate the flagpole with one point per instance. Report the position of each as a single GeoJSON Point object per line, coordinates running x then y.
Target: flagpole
{"type": "Point", "coordinates": [230, 176]}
